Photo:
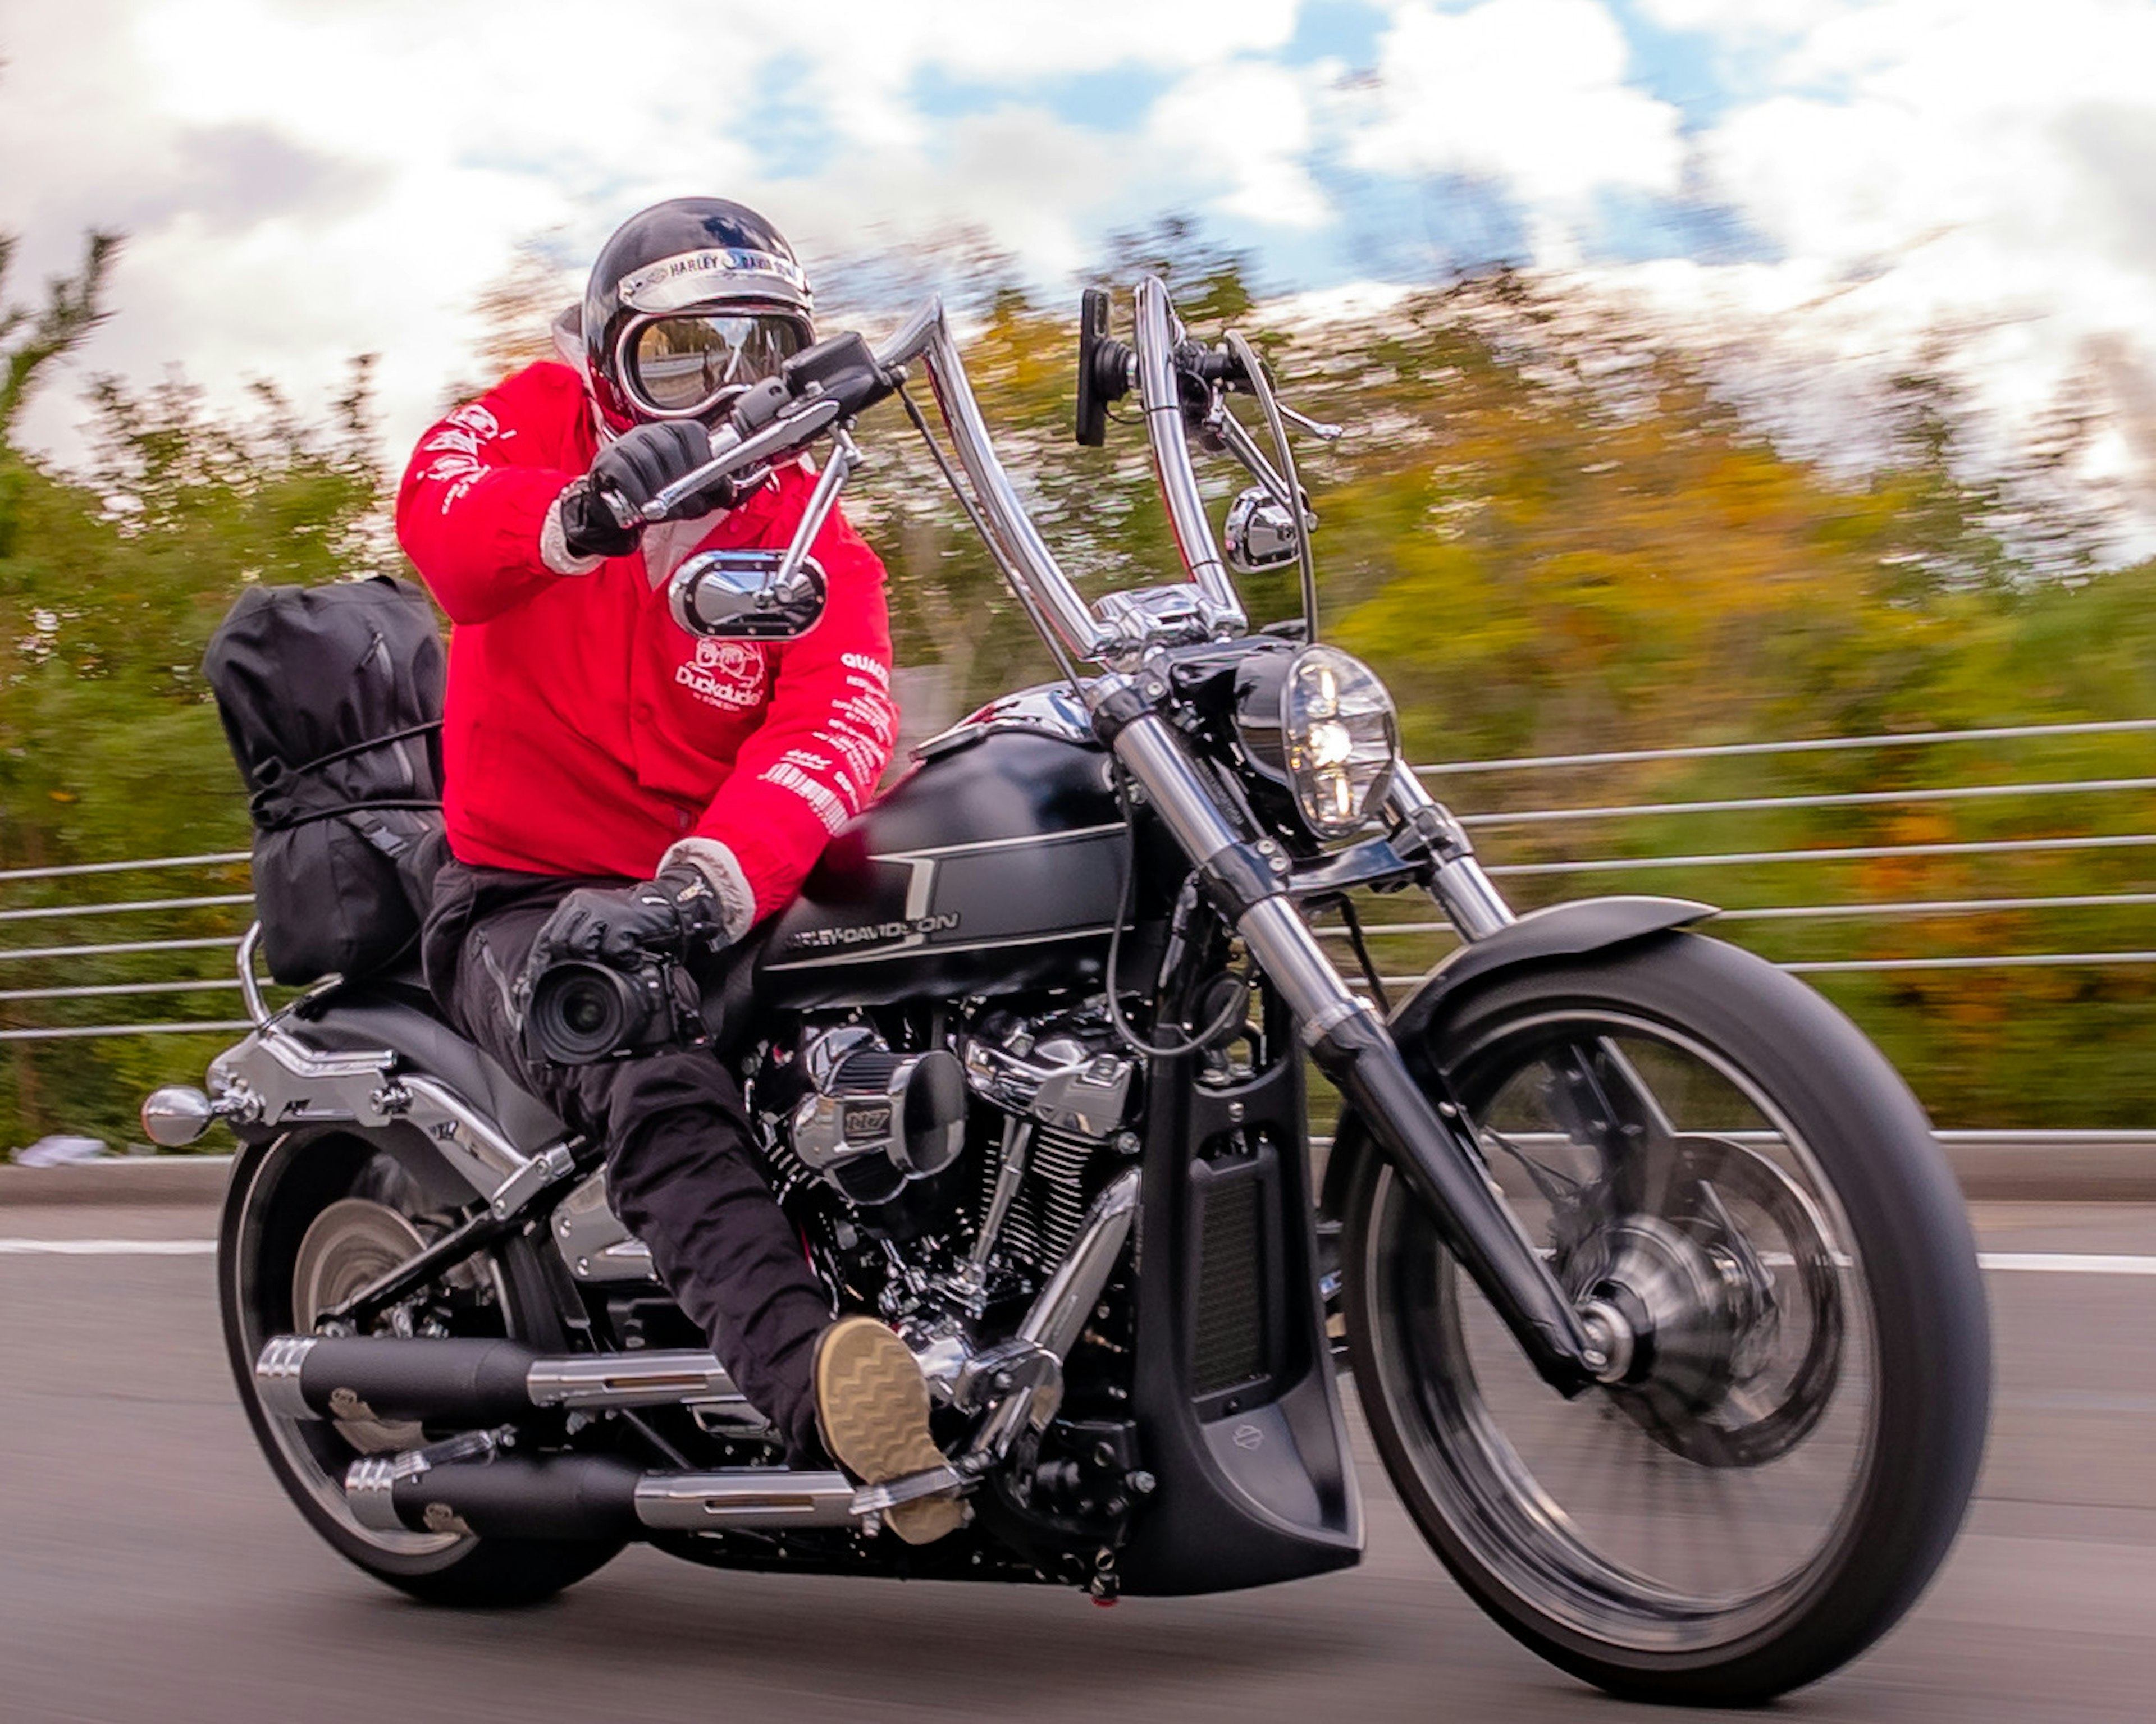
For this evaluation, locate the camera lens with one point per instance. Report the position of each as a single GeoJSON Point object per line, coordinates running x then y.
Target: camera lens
{"type": "Point", "coordinates": [580, 1013]}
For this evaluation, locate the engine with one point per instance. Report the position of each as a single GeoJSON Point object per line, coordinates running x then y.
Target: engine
{"type": "Point", "coordinates": [972, 1163]}
{"type": "Point", "coordinates": [870, 1120]}
{"type": "Point", "coordinates": [941, 1183]}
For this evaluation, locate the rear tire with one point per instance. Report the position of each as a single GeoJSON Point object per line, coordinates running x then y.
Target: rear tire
{"type": "Point", "coordinates": [279, 1192]}
{"type": "Point", "coordinates": [1902, 1295]}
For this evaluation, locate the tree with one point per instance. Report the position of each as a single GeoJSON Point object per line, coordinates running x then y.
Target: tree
{"type": "Point", "coordinates": [111, 584]}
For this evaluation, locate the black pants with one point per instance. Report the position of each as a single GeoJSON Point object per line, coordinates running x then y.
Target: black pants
{"type": "Point", "coordinates": [679, 1169]}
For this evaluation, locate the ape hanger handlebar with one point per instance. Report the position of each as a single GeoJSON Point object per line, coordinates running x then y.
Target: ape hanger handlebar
{"type": "Point", "coordinates": [1180, 385]}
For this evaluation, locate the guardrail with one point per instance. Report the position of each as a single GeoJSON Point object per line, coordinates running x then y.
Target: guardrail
{"type": "Point", "coordinates": [230, 908]}
{"type": "Point", "coordinates": [1510, 839]}
{"type": "Point", "coordinates": [1503, 834]}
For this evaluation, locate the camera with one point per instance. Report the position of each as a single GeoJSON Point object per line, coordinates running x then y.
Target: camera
{"type": "Point", "coordinates": [581, 1012]}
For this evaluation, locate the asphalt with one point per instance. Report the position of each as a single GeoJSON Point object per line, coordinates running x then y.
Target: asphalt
{"type": "Point", "coordinates": [149, 1570]}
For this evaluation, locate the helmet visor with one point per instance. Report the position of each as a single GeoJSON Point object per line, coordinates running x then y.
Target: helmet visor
{"type": "Point", "coordinates": [686, 364]}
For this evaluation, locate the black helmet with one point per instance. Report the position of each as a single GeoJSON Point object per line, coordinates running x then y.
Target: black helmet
{"type": "Point", "coordinates": [688, 303]}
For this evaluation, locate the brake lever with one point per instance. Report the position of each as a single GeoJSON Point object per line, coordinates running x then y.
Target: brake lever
{"type": "Point", "coordinates": [1316, 428]}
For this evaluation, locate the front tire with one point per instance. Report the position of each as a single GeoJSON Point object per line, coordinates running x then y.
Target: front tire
{"type": "Point", "coordinates": [1683, 1128]}
{"type": "Point", "coordinates": [314, 1217]}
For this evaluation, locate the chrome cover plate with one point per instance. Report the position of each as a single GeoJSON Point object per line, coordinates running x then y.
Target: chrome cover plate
{"type": "Point", "coordinates": [594, 1242]}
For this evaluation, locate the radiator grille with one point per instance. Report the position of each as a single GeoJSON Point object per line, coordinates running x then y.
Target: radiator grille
{"type": "Point", "coordinates": [1231, 1317]}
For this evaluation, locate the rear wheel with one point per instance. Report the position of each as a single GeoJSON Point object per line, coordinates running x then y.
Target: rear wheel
{"type": "Point", "coordinates": [1730, 1182]}
{"type": "Point", "coordinates": [309, 1220]}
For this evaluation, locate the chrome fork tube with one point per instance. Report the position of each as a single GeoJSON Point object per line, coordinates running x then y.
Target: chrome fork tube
{"type": "Point", "coordinates": [1422, 1132]}
{"type": "Point", "coordinates": [1280, 939]}
{"type": "Point", "coordinates": [1462, 887]}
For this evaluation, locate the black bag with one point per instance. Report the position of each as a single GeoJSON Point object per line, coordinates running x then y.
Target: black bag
{"type": "Point", "coordinates": [331, 699]}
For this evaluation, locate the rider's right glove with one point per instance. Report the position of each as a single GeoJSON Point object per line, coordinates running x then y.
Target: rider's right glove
{"type": "Point", "coordinates": [672, 916]}
{"type": "Point", "coordinates": [635, 467]}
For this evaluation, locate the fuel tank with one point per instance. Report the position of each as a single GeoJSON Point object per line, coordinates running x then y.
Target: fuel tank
{"type": "Point", "coordinates": [996, 865]}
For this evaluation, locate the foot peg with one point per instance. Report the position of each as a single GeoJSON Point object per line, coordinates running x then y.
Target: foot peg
{"type": "Point", "coordinates": [914, 1487]}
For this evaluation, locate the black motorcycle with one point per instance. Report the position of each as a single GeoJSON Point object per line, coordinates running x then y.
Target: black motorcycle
{"type": "Point", "coordinates": [1657, 1294]}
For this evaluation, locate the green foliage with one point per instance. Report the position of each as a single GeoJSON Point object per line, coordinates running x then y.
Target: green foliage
{"type": "Point", "coordinates": [110, 748]}
{"type": "Point", "coordinates": [32, 341]}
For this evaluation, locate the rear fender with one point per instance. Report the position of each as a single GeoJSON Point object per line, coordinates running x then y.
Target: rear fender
{"type": "Point", "coordinates": [1561, 930]}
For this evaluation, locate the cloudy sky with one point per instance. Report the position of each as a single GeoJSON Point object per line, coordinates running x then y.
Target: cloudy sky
{"type": "Point", "coordinates": [302, 180]}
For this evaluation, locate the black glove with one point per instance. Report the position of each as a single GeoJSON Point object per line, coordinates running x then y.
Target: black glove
{"type": "Point", "coordinates": [635, 467]}
{"type": "Point", "coordinates": [669, 917]}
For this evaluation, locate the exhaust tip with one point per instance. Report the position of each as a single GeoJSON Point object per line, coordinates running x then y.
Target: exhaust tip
{"type": "Point", "coordinates": [370, 1485]}
{"type": "Point", "coordinates": [277, 1376]}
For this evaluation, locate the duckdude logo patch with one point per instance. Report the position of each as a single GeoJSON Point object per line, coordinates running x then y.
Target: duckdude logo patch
{"type": "Point", "coordinates": [724, 674]}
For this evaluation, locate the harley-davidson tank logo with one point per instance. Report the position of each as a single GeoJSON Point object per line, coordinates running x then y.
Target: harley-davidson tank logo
{"type": "Point", "coordinates": [869, 933]}
{"type": "Point", "coordinates": [725, 675]}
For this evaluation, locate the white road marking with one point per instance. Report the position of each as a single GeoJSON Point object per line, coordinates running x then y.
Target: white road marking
{"type": "Point", "coordinates": [2067, 1263]}
{"type": "Point", "coordinates": [106, 1248]}
{"type": "Point", "coordinates": [2047, 1263]}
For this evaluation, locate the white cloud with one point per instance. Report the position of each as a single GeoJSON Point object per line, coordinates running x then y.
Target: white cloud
{"type": "Point", "coordinates": [1744, 18]}
{"type": "Point", "coordinates": [303, 180]}
{"type": "Point", "coordinates": [1529, 93]}
{"type": "Point", "coordinates": [1247, 126]}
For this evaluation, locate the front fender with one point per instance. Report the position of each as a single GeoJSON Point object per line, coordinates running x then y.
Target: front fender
{"type": "Point", "coordinates": [1561, 930]}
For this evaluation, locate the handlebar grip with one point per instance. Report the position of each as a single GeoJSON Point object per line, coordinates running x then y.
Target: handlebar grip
{"type": "Point", "coordinates": [625, 513]}
{"type": "Point", "coordinates": [840, 368]}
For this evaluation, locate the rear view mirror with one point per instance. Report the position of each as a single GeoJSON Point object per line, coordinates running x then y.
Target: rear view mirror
{"type": "Point", "coordinates": [1261, 531]}
{"type": "Point", "coordinates": [746, 595]}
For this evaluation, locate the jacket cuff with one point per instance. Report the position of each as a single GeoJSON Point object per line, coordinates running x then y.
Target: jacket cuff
{"type": "Point", "coordinates": [554, 542]}
{"type": "Point", "coordinates": [721, 868]}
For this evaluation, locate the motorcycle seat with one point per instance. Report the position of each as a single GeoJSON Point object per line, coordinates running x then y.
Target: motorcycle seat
{"type": "Point", "coordinates": [382, 1013]}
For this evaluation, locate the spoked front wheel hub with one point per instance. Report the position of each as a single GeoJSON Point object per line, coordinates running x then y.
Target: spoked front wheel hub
{"type": "Point", "coordinates": [1687, 1309]}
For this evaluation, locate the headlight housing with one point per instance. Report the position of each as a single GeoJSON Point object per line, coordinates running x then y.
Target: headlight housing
{"type": "Point", "coordinates": [1340, 739]}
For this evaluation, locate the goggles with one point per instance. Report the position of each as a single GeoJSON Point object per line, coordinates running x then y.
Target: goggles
{"type": "Point", "coordinates": [682, 365]}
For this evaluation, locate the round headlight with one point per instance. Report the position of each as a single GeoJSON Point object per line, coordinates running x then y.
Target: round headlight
{"type": "Point", "coordinates": [1341, 739]}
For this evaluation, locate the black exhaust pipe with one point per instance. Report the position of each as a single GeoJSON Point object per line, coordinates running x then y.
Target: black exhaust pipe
{"type": "Point", "coordinates": [471, 1383]}
{"type": "Point", "coordinates": [467, 1486]}
{"type": "Point", "coordinates": [557, 1497]}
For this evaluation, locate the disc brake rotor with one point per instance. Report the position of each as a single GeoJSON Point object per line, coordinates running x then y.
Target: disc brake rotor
{"type": "Point", "coordinates": [350, 1245]}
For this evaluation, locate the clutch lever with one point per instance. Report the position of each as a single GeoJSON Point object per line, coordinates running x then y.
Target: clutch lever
{"type": "Point", "coordinates": [797, 426]}
{"type": "Point", "coordinates": [628, 515]}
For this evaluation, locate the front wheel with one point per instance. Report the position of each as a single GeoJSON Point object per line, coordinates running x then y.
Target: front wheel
{"type": "Point", "coordinates": [1733, 1183]}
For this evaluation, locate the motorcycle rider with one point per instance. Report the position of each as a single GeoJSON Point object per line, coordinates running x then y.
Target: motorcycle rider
{"type": "Point", "coordinates": [615, 788]}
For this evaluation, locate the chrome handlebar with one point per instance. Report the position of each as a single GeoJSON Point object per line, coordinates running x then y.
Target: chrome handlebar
{"type": "Point", "coordinates": [1013, 539]}
{"type": "Point", "coordinates": [1160, 391]}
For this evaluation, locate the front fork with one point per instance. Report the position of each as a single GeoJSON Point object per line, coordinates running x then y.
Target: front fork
{"type": "Point", "coordinates": [1425, 1135]}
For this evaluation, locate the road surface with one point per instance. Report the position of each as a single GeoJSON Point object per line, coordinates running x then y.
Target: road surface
{"type": "Point", "coordinates": [150, 1569]}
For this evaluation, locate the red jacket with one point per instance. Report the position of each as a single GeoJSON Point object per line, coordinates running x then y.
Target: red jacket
{"type": "Point", "coordinates": [586, 734]}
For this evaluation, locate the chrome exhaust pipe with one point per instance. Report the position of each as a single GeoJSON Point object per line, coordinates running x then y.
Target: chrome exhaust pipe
{"type": "Point", "coordinates": [466, 1485]}
{"type": "Point", "coordinates": [481, 1383]}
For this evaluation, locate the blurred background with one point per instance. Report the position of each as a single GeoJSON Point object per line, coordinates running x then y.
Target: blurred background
{"type": "Point", "coordinates": [1722, 375]}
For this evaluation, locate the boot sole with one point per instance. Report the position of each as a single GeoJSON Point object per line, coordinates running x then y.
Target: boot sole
{"type": "Point", "coordinates": [873, 1407]}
